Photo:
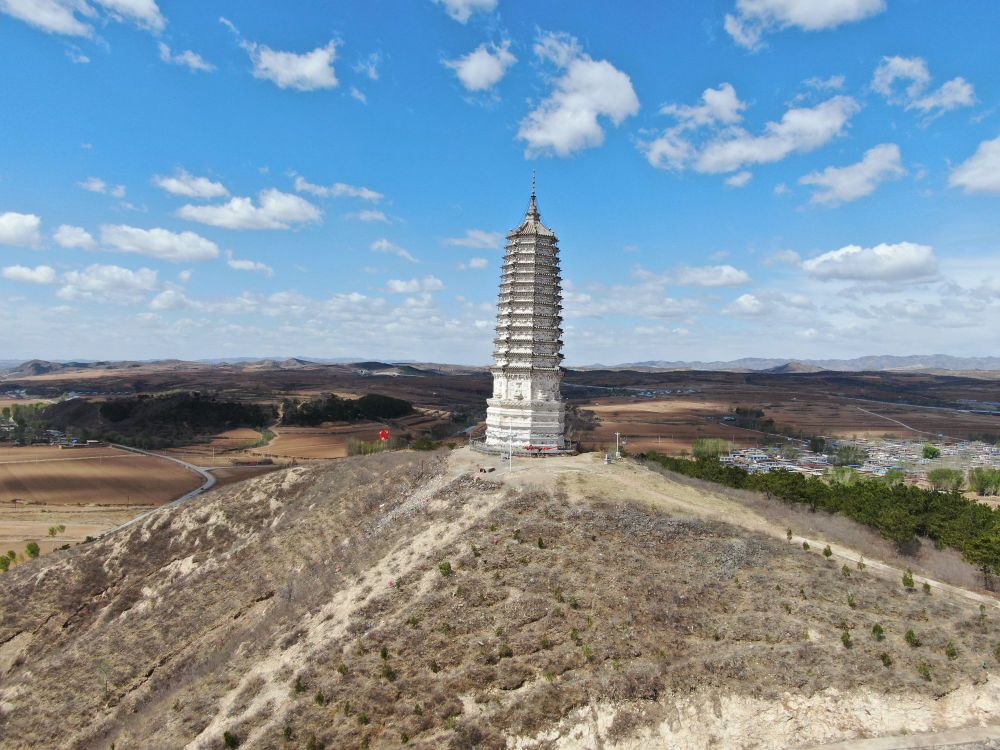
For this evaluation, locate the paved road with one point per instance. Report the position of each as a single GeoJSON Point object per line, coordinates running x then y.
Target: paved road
{"type": "Point", "coordinates": [206, 485]}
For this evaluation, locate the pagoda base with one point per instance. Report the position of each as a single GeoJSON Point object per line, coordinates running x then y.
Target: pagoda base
{"type": "Point", "coordinates": [481, 446]}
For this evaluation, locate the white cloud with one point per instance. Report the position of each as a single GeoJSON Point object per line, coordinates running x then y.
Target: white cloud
{"type": "Point", "coordinates": [275, 210]}
{"type": "Point", "coordinates": [359, 95]}
{"type": "Point", "coordinates": [97, 185]}
{"type": "Point", "coordinates": [20, 230]}
{"type": "Point", "coordinates": [76, 57]}
{"type": "Point", "coordinates": [746, 305]}
{"type": "Point", "coordinates": [478, 239]}
{"type": "Point", "coordinates": [36, 275]}
{"type": "Point", "coordinates": [70, 236]}
{"type": "Point", "coordinates": [60, 16]}
{"type": "Point", "coordinates": [838, 185]}
{"type": "Point", "coordinates": [100, 283]}
{"type": "Point", "coordinates": [800, 130]}
{"type": "Point", "coordinates": [478, 263]}
{"type": "Point", "coordinates": [369, 65]}
{"type": "Point", "coordinates": [191, 60]}
{"type": "Point", "coordinates": [980, 173]}
{"type": "Point", "coordinates": [754, 18]}
{"type": "Point", "coordinates": [248, 265]}
{"type": "Point", "coordinates": [711, 276]}
{"type": "Point", "coordinates": [159, 243]}
{"type": "Point", "coordinates": [950, 95]}
{"type": "Point", "coordinates": [462, 10]}
{"type": "Point", "coordinates": [483, 68]}
{"type": "Point", "coordinates": [369, 216]}
{"type": "Point", "coordinates": [902, 262]}
{"type": "Point", "coordinates": [384, 246]}
{"type": "Point", "coordinates": [336, 190]}
{"type": "Point", "coordinates": [412, 286]}
{"type": "Point", "coordinates": [720, 105]}
{"type": "Point", "coordinates": [308, 71]}
{"type": "Point", "coordinates": [184, 183]}
{"type": "Point", "coordinates": [567, 120]}
{"type": "Point", "coordinates": [729, 147]}
{"type": "Point", "coordinates": [170, 299]}
{"type": "Point", "coordinates": [185, 275]}
{"type": "Point", "coordinates": [144, 13]}
{"type": "Point", "coordinates": [738, 180]}
{"type": "Point", "coordinates": [833, 83]}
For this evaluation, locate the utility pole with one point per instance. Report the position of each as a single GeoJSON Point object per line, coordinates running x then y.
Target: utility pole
{"type": "Point", "coordinates": [618, 447]}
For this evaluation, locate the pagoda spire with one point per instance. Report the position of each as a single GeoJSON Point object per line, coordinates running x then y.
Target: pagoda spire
{"type": "Point", "coordinates": [533, 203]}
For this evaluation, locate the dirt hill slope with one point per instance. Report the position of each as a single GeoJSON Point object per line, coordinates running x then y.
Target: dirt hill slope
{"type": "Point", "coordinates": [410, 599]}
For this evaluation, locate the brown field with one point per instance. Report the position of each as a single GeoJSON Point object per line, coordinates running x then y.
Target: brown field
{"type": "Point", "coordinates": [325, 441]}
{"type": "Point", "coordinates": [223, 449]}
{"type": "Point", "coordinates": [88, 490]}
{"type": "Point", "coordinates": [671, 424]}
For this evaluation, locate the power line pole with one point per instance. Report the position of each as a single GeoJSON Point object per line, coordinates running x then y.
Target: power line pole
{"type": "Point", "coordinates": [618, 448]}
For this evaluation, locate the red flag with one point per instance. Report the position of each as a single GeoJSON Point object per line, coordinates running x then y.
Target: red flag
{"type": "Point", "coordinates": [383, 435]}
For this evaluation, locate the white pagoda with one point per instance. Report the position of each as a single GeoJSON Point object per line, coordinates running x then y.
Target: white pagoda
{"type": "Point", "coordinates": [526, 413]}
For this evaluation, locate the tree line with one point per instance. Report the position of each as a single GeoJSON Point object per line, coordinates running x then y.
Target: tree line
{"type": "Point", "coordinates": [331, 408]}
{"type": "Point", "coordinates": [900, 512]}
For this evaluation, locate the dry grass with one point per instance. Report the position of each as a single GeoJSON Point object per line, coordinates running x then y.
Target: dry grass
{"type": "Point", "coordinates": [204, 619]}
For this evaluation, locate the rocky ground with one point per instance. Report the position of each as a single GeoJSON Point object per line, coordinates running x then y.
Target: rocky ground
{"type": "Point", "coordinates": [412, 599]}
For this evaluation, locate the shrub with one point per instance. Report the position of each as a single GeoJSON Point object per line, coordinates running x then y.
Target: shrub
{"type": "Point", "coordinates": [908, 579]}
{"type": "Point", "coordinates": [320, 698]}
{"type": "Point", "coordinates": [861, 564]}
{"type": "Point", "coordinates": [851, 601]}
{"type": "Point", "coordinates": [931, 451]}
{"type": "Point", "coordinates": [886, 659]}
{"type": "Point", "coordinates": [424, 443]}
{"type": "Point", "coordinates": [506, 651]}
{"type": "Point", "coordinates": [4, 563]}
{"type": "Point", "coordinates": [950, 651]}
{"type": "Point", "coordinates": [342, 670]}
{"type": "Point", "coordinates": [805, 546]}
{"type": "Point", "coordinates": [445, 569]}
{"type": "Point", "coordinates": [413, 621]}
{"type": "Point", "coordinates": [878, 632]}
{"type": "Point", "coordinates": [230, 740]}
{"type": "Point", "coordinates": [33, 550]}
{"type": "Point", "coordinates": [924, 671]}
{"type": "Point", "coordinates": [827, 552]}
{"type": "Point", "coordinates": [541, 543]}
{"type": "Point", "coordinates": [546, 643]}
{"type": "Point", "coordinates": [288, 732]}
{"type": "Point", "coordinates": [845, 571]}
{"type": "Point", "coordinates": [404, 738]}
{"type": "Point", "coordinates": [912, 639]}
{"type": "Point", "coordinates": [297, 686]}
{"type": "Point", "coordinates": [926, 587]}
{"type": "Point", "coordinates": [845, 638]}
{"type": "Point", "coordinates": [363, 718]}
{"type": "Point", "coordinates": [788, 534]}
{"type": "Point", "coordinates": [388, 672]}
{"type": "Point", "coordinates": [434, 667]}
{"type": "Point", "coordinates": [383, 653]}
{"type": "Point", "coordinates": [313, 743]}
{"type": "Point", "coordinates": [948, 480]}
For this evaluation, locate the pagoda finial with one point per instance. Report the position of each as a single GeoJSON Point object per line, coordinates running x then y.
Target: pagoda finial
{"type": "Point", "coordinates": [533, 205]}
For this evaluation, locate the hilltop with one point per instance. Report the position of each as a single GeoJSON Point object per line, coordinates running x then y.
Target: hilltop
{"type": "Point", "coordinates": [409, 597]}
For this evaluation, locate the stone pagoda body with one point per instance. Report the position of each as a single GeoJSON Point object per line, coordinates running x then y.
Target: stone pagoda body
{"type": "Point", "coordinates": [526, 413]}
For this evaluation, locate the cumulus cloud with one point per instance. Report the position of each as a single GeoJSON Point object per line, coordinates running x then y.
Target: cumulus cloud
{"type": "Point", "coordinates": [385, 246]}
{"type": "Point", "coordinates": [75, 237]}
{"type": "Point", "coordinates": [462, 10]}
{"type": "Point", "coordinates": [738, 180]}
{"type": "Point", "coordinates": [104, 283]}
{"type": "Point", "coordinates": [274, 210]}
{"type": "Point", "coordinates": [478, 239]}
{"type": "Point", "coordinates": [413, 286]}
{"type": "Point", "coordinates": [67, 16]}
{"type": "Point", "coordinates": [184, 183]}
{"type": "Point", "coordinates": [567, 120]}
{"type": "Point", "coordinates": [36, 275]}
{"type": "Point", "coordinates": [484, 67]}
{"type": "Point", "coordinates": [188, 59]}
{"type": "Point", "coordinates": [369, 66]}
{"type": "Point", "coordinates": [159, 243]}
{"type": "Point", "coordinates": [336, 190]}
{"type": "Point", "coordinates": [917, 94]}
{"type": "Point", "coordinates": [248, 265]}
{"type": "Point", "coordinates": [20, 230]}
{"type": "Point", "coordinates": [97, 185]}
{"type": "Point", "coordinates": [307, 71]}
{"type": "Point", "coordinates": [370, 216]}
{"type": "Point", "coordinates": [980, 173]}
{"type": "Point", "coordinates": [711, 276]}
{"type": "Point", "coordinates": [754, 18]}
{"type": "Point", "coordinates": [901, 262]}
{"type": "Point", "coordinates": [708, 138]}
{"type": "Point", "coordinates": [788, 257]}
{"type": "Point", "coordinates": [746, 305]}
{"type": "Point", "coordinates": [836, 185]}
{"type": "Point", "coordinates": [477, 263]}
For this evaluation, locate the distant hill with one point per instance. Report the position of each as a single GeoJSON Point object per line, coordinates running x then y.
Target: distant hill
{"type": "Point", "coordinates": [793, 367]}
{"type": "Point", "coordinates": [878, 362]}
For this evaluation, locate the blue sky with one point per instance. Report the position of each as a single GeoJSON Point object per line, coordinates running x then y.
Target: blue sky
{"type": "Point", "coordinates": [798, 178]}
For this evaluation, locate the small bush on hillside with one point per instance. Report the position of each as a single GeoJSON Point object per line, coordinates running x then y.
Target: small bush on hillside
{"type": "Point", "coordinates": [230, 740]}
{"type": "Point", "coordinates": [908, 579]}
{"type": "Point", "coordinates": [827, 552]}
{"type": "Point", "coordinates": [320, 698]}
{"type": "Point", "coordinates": [845, 571]}
{"type": "Point", "coordinates": [950, 651]}
{"type": "Point", "coordinates": [886, 659]}
{"type": "Point", "coordinates": [927, 587]}
{"type": "Point", "coordinates": [845, 638]}
{"type": "Point", "coordinates": [445, 569]}
{"type": "Point", "coordinates": [33, 550]}
{"type": "Point", "coordinates": [878, 632]}
{"type": "Point", "coordinates": [924, 671]}
{"type": "Point", "coordinates": [851, 601]}
{"type": "Point", "coordinates": [805, 546]}
{"type": "Point", "coordinates": [912, 639]}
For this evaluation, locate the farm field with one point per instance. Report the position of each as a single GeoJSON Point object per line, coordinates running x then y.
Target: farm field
{"type": "Point", "coordinates": [325, 441]}
{"type": "Point", "coordinates": [223, 449]}
{"type": "Point", "coordinates": [671, 424]}
{"type": "Point", "coordinates": [87, 490]}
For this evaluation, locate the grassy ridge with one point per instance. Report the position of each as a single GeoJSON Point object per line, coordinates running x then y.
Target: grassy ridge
{"type": "Point", "coordinates": [901, 513]}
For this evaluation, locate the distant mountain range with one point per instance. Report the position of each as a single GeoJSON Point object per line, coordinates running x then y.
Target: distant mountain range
{"type": "Point", "coordinates": [884, 363]}
{"type": "Point", "coordinates": [878, 362]}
